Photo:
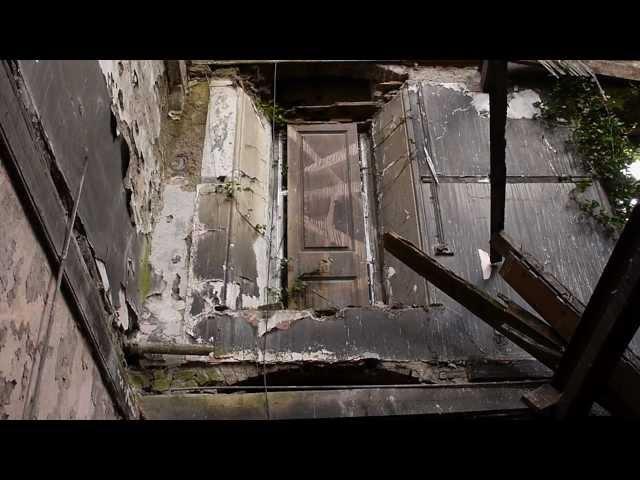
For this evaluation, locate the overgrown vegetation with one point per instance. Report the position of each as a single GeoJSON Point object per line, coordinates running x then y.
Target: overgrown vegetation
{"type": "Point", "coordinates": [600, 127]}
{"type": "Point", "coordinates": [230, 187]}
{"type": "Point", "coordinates": [274, 113]}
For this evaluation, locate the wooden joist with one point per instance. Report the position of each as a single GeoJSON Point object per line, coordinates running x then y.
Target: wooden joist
{"type": "Point", "coordinates": [546, 295]}
{"type": "Point", "coordinates": [424, 400]}
{"type": "Point", "coordinates": [506, 320]}
{"type": "Point", "coordinates": [622, 392]}
{"type": "Point", "coordinates": [558, 306]}
{"type": "Point", "coordinates": [607, 326]}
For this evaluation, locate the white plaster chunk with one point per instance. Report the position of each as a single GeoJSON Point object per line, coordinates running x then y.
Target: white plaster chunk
{"type": "Point", "coordinates": [123, 311]}
{"type": "Point", "coordinates": [169, 258]}
{"type": "Point", "coordinates": [480, 102]}
{"type": "Point", "coordinates": [485, 264]}
{"type": "Point", "coordinates": [522, 104]}
{"type": "Point", "coordinates": [102, 270]}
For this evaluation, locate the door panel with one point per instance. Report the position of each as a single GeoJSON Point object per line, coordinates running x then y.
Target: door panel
{"type": "Point", "coordinates": [399, 210]}
{"type": "Point", "coordinates": [325, 223]}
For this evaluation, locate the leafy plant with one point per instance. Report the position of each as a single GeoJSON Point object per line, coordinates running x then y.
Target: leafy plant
{"type": "Point", "coordinates": [272, 111]}
{"type": "Point", "coordinates": [601, 138]}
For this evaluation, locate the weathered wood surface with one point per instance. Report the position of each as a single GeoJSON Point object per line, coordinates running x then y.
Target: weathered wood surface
{"type": "Point", "coordinates": [325, 220]}
{"type": "Point", "coordinates": [431, 400]}
{"type": "Point", "coordinates": [606, 327]}
{"type": "Point", "coordinates": [397, 193]}
{"type": "Point", "coordinates": [558, 306]}
{"type": "Point", "coordinates": [554, 302]}
{"type": "Point", "coordinates": [458, 132]}
{"type": "Point", "coordinates": [505, 320]}
{"type": "Point", "coordinates": [497, 83]}
{"type": "Point", "coordinates": [497, 371]}
{"type": "Point", "coordinates": [27, 161]}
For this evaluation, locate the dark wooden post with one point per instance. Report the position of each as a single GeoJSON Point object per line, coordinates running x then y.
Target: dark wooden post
{"type": "Point", "coordinates": [607, 326]}
{"type": "Point", "coordinates": [494, 79]}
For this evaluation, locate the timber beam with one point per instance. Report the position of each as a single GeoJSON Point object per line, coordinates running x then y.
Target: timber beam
{"type": "Point", "coordinates": [494, 80]}
{"type": "Point", "coordinates": [430, 401]}
{"type": "Point", "coordinates": [622, 392]}
{"type": "Point", "coordinates": [563, 311]}
{"type": "Point", "coordinates": [527, 332]}
{"type": "Point", "coordinates": [608, 324]}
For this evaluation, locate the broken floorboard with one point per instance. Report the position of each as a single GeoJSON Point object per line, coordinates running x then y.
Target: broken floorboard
{"type": "Point", "coordinates": [430, 400]}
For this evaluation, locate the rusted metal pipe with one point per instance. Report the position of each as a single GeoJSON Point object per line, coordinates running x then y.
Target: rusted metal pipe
{"type": "Point", "coordinates": [141, 348]}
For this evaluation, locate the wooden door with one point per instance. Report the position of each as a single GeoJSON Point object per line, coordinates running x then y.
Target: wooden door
{"type": "Point", "coordinates": [325, 224]}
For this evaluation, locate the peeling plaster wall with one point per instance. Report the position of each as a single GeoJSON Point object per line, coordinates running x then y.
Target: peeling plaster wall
{"type": "Point", "coordinates": [229, 257]}
{"type": "Point", "coordinates": [71, 384]}
{"type": "Point", "coordinates": [164, 306]}
{"type": "Point", "coordinates": [138, 91]}
{"type": "Point", "coordinates": [209, 245]}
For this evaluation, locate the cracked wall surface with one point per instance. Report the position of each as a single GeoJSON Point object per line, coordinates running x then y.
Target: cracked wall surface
{"type": "Point", "coordinates": [71, 384]}
{"type": "Point", "coordinates": [138, 92]}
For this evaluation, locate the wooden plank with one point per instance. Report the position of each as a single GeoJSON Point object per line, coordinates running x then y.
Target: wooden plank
{"type": "Point", "coordinates": [563, 311]}
{"type": "Point", "coordinates": [500, 317]}
{"type": "Point", "coordinates": [497, 72]}
{"type": "Point", "coordinates": [548, 297]}
{"type": "Point", "coordinates": [627, 69]}
{"type": "Point", "coordinates": [351, 111]}
{"type": "Point", "coordinates": [398, 207]}
{"type": "Point", "coordinates": [429, 400]}
{"type": "Point", "coordinates": [499, 371]}
{"type": "Point", "coordinates": [25, 153]}
{"type": "Point", "coordinates": [325, 218]}
{"type": "Point", "coordinates": [607, 326]}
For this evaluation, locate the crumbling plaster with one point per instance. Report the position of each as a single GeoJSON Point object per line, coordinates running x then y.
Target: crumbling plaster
{"type": "Point", "coordinates": [139, 99]}
{"type": "Point", "coordinates": [71, 383]}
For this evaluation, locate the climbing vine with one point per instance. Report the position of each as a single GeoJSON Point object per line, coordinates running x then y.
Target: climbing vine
{"type": "Point", "coordinates": [600, 135]}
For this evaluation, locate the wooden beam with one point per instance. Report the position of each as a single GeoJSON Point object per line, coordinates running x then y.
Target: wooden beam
{"type": "Point", "coordinates": [425, 400]}
{"type": "Point", "coordinates": [497, 86]}
{"type": "Point", "coordinates": [625, 69]}
{"type": "Point", "coordinates": [547, 296]}
{"type": "Point", "coordinates": [607, 326]}
{"type": "Point", "coordinates": [558, 306]}
{"type": "Point", "coordinates": [504, 319]}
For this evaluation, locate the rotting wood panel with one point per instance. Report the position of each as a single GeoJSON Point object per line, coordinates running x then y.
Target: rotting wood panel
{"type": "Point", "coordinates": [432, 400]}
{"type": "Point", "coordinates": [248, 260]}
{"type": "Point", "coordinates": [458, 131]}
{"type": "Point", "coordinates": [541, 217]}
{"type": "Point", "coordinates": [209, 240]}
{"type": "Point", "coordinates": [436, 334]}
{"type": "Point", "coordinates": [325, 231]}
{"type": "Point", "coordinates": [397, 202]}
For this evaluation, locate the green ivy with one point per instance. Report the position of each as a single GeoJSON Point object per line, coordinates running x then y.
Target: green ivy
{"type": "Point", "coordinates": [601, 139]}
{"type": "Point", "coordinates": [274, 113]}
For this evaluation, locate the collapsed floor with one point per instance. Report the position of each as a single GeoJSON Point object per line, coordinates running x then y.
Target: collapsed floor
{"type": "Point", "coordinates": [207, 261]}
